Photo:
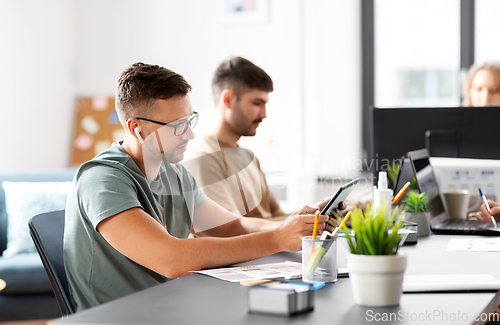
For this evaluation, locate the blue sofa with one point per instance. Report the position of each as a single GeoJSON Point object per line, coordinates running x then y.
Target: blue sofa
{"type": "Point", "coordinates": [28, 294]}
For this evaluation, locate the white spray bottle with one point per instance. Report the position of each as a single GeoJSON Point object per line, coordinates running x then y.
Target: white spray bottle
{"type": "Point", "coordinates": [382, 196]}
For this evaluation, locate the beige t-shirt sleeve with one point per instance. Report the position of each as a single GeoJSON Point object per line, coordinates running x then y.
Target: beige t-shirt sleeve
{"type": "Point", "coordinates": [210, 176]}
{"type": "Point", "coordinates": [273, 203]}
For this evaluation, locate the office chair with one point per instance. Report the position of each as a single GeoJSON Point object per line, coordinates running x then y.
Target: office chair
{"type": "Point", "coordinates": [47, 232]}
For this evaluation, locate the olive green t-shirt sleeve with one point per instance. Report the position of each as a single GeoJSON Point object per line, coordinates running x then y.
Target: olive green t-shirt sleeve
{"type": "Point", "coordinates": [105, 191]}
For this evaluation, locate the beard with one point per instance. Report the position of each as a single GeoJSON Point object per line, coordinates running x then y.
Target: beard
{"type": "Point", "coordinates": [156, 150]}
{"type": "Point", "coordinates": [241, 124]}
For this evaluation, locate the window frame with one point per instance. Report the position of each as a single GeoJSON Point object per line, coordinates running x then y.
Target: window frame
{"type": "Point", "coordinates": [467, 50]}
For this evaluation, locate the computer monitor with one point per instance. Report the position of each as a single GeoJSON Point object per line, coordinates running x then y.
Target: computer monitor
{"type": "Point", "coordinates": [459, 132]}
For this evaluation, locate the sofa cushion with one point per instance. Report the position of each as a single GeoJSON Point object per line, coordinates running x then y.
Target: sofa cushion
{"type": "Point", "coordinates": [23, 200]}
{"type": "Point", "coordinates": [24, 273]}
{"type": "Point", "coordinates": [27, 175]}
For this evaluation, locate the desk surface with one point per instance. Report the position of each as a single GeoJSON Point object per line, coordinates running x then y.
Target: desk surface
{"type": "Point", "coordinates": [194, 298]}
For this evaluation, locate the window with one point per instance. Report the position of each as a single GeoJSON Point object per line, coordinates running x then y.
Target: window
{"type": "Point", "coordinates": [417, 53]}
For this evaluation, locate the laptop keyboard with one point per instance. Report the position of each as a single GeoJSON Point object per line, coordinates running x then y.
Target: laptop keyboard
{"type": "Point", "coordinates": [466, 225]}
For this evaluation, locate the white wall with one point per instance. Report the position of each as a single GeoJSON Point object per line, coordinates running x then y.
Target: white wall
{"type": "Point", "coordinates": [193, 43]}
{"type": "Point", "coordinates": [37, 44]}
{"type": "Point", "coordinates": [310, 49]}
{"type": "Point", "coordinates": [332, 87]}
{"type": "Point", "coordinates": [487, 26]}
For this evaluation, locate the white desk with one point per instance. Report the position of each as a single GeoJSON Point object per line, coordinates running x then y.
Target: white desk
{"type": "Point", "coordinates": [197, 298]}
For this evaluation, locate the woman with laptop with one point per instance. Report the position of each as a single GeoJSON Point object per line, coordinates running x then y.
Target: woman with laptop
{"type": "Point", "coordinates": [485, 215]}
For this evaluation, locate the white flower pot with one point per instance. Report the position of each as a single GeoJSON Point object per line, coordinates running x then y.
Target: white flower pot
{"type": "Point", "coordinates": [376, 280]}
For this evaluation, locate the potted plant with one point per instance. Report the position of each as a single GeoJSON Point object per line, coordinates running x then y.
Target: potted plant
{"type": "Point", "coordinates": [393, 169]}
{"type": "Point", "coordinates": [376, 269]}
{"type": "Point", "coordinates": [417, 211]}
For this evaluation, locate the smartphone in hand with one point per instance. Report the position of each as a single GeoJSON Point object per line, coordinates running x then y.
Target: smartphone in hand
{"type": "Point", "coordinates": [339, 197]}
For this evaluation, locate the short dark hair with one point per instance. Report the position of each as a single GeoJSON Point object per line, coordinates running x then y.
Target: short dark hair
{"type": "Point", "coordinates": [239, 74]}
{"type": "Point", "coordinates": [140, 84]}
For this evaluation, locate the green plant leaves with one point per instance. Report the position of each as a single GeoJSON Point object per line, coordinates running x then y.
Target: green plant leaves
{"type": "Point", "coordinates": [374, 234]}
{"type": "Point", "coordinates": [416, 203]}
{"type": "Point", "coordinates": [392, 170]}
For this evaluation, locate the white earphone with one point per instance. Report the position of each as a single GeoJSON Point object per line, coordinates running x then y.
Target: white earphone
{"type": "Point", "coordinates": [137, 131]}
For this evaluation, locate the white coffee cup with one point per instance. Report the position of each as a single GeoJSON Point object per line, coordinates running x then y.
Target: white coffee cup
{"type": "Point", "coordinates": [457, 203]}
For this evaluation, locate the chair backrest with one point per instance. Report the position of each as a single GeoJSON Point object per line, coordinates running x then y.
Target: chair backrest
{"type": "Point", "coordinates": [47, 232]}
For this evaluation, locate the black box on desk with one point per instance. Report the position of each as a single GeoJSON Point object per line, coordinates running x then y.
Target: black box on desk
{"type": "Point", "coordinates": [411, 229]}
{"type": "Point", "coordinates": [281, 299]}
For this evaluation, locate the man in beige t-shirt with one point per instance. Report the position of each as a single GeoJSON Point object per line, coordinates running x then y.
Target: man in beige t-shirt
{"type": "Point", "coordinates": [226, 173]}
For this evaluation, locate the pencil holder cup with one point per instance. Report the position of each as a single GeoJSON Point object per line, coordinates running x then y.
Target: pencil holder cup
{"type": "Point", "coordinates": [319, 259]}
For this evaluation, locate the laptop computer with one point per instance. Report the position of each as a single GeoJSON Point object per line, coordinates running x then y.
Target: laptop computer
{"type": "Point", "coordinates": [440, 221]}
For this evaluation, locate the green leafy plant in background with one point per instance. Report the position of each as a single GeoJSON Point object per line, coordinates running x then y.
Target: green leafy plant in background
{"type": "Point", "coordinates": [374, 233]}
{"type": "Point", "coordinates": [393, 169]}
{"type": "Point", "coordinates": [416, 203]}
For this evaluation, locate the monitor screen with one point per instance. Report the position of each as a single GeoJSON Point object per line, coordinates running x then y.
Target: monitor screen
{"type": "Point", "coordinates": [426, 181]}
{"type": "Point", "coordinates": [458, 132]}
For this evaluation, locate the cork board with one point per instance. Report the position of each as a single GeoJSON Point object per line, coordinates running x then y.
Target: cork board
{"type": "Point", "coordinates": [96, 127]}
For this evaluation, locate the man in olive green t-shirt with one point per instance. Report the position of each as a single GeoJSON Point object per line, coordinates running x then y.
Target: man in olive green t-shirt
{"type": "Point", "coordinates": [132, 206]}
{"type": "Point", "coordinates": [109, 184]}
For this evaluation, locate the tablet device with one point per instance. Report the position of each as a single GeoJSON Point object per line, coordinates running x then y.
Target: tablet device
{"type": "Point", "coordinates": [340, 196]}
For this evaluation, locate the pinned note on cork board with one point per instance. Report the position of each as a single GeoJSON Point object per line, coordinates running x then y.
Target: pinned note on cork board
{"type": "Point", "coordinates": [96, 127]}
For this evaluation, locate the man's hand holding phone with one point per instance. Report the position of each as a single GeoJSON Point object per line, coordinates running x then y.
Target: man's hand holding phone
{"type": "Point", "coordinates": [340, 210]}
{"type": "Point", "coordinates": [336, 205]}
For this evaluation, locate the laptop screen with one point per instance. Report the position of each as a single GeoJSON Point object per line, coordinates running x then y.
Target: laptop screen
{"type": "Point", "coordinates": [426, 181]}
{"type": "Point", "coordinates": [405, 174]}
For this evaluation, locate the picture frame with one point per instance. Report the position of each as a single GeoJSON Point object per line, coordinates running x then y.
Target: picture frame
{"type": "Point", "coordinates": [242, 12]}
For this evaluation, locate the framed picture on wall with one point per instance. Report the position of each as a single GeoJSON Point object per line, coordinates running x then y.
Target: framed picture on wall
{"type": "Point", "coordinates": [238, 12]}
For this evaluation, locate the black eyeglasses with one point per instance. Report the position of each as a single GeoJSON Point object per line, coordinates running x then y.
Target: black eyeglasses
{"type": "Point", "coordinates": [179, 128]}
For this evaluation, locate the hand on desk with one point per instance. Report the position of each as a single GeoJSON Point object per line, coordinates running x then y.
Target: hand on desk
{"type": "Point", "coordinates": [484, 215]}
